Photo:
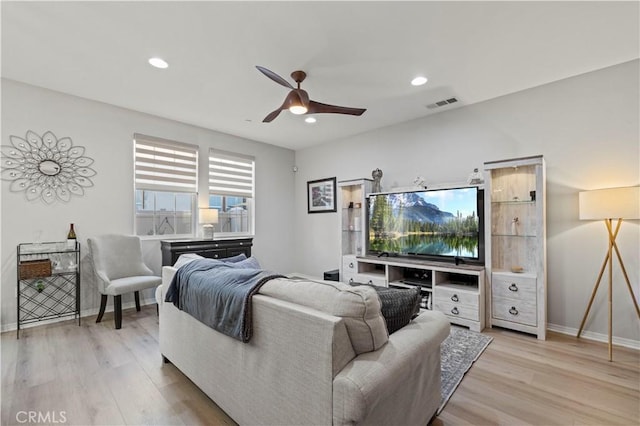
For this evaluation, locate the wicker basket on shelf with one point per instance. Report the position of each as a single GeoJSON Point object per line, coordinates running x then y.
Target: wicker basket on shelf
{"type": "Point", "coordinates": [35, 269]}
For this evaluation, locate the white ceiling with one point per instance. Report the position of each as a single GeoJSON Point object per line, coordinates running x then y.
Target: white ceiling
{"type": "Point", "coordinates": [357, 54]}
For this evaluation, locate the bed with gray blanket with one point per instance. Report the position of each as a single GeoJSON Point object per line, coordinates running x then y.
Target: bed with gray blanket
{"type": "Point", "coordinates": [218, 294]}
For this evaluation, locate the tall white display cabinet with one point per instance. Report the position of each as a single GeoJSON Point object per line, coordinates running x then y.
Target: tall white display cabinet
{"type": "Point", "coordinates": [353, 222]}
{"type": "Point", "coordinates": [516, 255]}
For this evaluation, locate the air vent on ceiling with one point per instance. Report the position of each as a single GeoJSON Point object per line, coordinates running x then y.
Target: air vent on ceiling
{"type": "Point", "coordinates": [442, 103]}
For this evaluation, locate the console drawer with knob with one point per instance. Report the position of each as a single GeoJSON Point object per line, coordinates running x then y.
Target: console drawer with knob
{"type": "Point", "coordinates": [458, 310]}
{"type": "Point", "coordinates": [518, 311]}
{"type": "Point", "coordinates": [460, 296]}
{"type": "Point", "coordinates": [349, 265]}
{"type": "Point", "coordinates": [513, 287]}
{"type": "Point", "coordinates": [457, 302]}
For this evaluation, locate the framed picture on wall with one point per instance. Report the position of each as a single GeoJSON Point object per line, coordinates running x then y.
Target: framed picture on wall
{"type": "Point", "coordinates": [321, 195]}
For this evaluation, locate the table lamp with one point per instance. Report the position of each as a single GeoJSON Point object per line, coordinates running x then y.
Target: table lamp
{"type": "Point", "coordinates": [609, 204]}
{"type": "Point", "coordinates": [208, 217]}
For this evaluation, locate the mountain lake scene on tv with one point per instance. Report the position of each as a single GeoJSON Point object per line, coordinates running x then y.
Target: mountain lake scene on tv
{"type": "Point", "coordinates": [440, 223]}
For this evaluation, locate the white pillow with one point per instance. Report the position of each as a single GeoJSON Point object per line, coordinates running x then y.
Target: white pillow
{"type": "Point", "coordinates": [186, 258]}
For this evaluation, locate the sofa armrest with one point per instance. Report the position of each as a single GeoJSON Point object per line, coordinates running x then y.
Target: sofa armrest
{"type": "Point", "coordinates": [397, 384]}
{"type": "Point", "coordinates": [167, 275]}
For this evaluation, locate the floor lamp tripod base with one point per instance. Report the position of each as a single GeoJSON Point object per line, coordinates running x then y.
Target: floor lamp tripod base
{"type": "Point", "coordinates": [608, 264]}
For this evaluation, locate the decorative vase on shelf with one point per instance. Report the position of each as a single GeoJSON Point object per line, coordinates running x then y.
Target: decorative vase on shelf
{"type": "Point", "coordinates": [377, 176]}
{"type": "Point", "coordinates": [514, 226]}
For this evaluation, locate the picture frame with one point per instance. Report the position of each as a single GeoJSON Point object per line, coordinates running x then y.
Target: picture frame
{"type": "Point", "coordinates": [321, 195]}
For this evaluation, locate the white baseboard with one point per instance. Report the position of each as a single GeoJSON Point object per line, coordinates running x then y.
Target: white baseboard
{"type": "Point", "coordinates": [83, 313]}
{"type": "Point", "coordinates": [599, 337]}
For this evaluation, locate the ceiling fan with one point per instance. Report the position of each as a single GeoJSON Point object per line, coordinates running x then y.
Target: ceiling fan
{"type": "Point", "coordinates": [298, 102]}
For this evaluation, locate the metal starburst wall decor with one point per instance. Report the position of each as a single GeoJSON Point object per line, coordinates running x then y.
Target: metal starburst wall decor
{"type": "Point", "coordinates": [46, 167]}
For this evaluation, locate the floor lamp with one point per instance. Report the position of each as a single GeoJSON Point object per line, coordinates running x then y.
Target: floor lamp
{"type": "Point", "coordinates": [610, 204]}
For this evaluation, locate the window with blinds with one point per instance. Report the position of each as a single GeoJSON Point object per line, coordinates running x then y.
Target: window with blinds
{"type": "Point", "coordinates": [231, 191]}
{"type": "Point", "coordinates": [166, 182]}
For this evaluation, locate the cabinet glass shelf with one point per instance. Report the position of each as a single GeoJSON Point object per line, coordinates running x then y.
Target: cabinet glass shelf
{"type": "Point", "coordinates": [356, 210]}
{"type": "Point", "coordinates": [45, 248]}
{"type": "Point", "coordinates": [497, 202]}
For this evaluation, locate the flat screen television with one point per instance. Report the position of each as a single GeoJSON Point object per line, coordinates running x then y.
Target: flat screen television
{"type": "Point", "coordinates": [440, 224]}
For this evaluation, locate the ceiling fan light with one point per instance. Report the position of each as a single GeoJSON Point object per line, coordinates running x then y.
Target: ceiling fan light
{"type": "Point", "coordinates": [298, 109]}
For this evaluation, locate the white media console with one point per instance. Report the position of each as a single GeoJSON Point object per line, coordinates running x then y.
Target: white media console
{"type": "Point", "coordinates": [456, 290]}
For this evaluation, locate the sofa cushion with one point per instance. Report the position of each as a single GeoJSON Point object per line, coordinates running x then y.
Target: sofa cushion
{"type": "Point", "coordinates": [399, 305]}
{"type": "Point", "coordinates": [358, 306]}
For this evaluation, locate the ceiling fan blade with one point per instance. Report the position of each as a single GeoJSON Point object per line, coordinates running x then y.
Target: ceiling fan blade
{"type": "Point", "coordinates": [320, 108]}
{"type": "Point", "coordinates": [275, 77]}
{"type": "Point", "coordinates": [272, 115]}
{"type": "Point", "coordinates": [304, 96]}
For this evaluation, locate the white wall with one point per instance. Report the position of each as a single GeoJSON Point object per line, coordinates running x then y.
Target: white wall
{"type": "Point", "coordinates": [107, 132]}
{"type": "Point", "coordinates": [587, 128]}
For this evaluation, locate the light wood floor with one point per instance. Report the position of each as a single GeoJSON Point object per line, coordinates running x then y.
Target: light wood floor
{"type": "Point", "coordinates": [94, 374]}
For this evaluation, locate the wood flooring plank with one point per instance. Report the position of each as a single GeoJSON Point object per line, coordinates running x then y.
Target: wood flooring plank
{"type": "Point", "coordinates": [140, 344]}
{"type": "Point", "coordinates": [534, 405]}
{"type": "Point", "coordinates": [107, 345]}
{"type": "Point", "coordinates": [79, 402]}
{"type": "Point", "coordinates": [139, 400]}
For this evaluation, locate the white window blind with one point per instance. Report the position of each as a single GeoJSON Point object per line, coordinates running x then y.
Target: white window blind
{"type": "Point", "coordinates": [231, 174]}
{"type": "Point", "coordinates": [164, 165]}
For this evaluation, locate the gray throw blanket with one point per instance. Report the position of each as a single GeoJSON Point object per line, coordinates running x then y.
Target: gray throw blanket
{"type": "Point", "coordinates": [218, 294]}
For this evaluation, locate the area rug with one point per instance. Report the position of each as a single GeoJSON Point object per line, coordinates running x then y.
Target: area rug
{"type": "Point", "coordinates": [458, 352]}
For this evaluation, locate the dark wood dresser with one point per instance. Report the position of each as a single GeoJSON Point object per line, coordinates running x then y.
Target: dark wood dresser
{"type": "Point", "coordinates": [214, 249]}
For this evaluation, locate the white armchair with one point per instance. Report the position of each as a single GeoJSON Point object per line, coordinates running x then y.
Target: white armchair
{"type": "Point", "coordinates": [119, 269]}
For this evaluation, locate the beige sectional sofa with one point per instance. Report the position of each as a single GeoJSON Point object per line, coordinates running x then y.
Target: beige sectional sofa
{"type": "Point", "coordinates": [319, 355]}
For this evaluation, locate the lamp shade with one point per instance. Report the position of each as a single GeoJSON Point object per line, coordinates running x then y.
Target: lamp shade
{"type": "Point", "coordinates": [610, 203]}
{"type": "Point", "coordinates": [208, 215]}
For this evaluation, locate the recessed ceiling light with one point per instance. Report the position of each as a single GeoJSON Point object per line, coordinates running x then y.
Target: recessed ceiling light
{"type": "Point", "coordinates": [419, 81]}
{"type": "Point", "coordinates": [310, 120]}
{"type": "Point", "coordinates": [158, 63]}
